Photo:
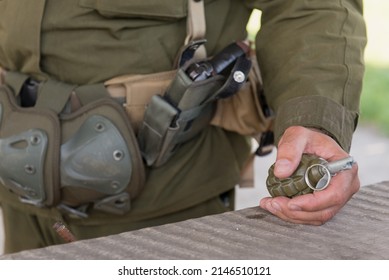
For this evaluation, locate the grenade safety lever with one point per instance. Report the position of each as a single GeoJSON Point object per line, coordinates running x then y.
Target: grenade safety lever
{"type": "Point", "coordinates": [312, 174]}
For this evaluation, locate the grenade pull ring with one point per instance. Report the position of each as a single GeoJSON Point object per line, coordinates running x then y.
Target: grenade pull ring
{"type": "Point", "coordinates": [323, 182]}
{"type": "Point", "coordinates": [325, 171]}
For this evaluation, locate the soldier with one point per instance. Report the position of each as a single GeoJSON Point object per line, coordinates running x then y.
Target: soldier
{"type": "Point", "coordinates": [58, 126]}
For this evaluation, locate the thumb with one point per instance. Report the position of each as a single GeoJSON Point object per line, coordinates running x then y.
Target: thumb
{"type": "Point", "coordinates": [283, 168]}
{"type": "Point", "coordinates": [290, 149]}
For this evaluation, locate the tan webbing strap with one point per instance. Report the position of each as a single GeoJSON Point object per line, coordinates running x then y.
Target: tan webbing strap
{"type": "Point", "coordinates": [196, 26]}
{"type": "Point", "coordinates": [195, 31]}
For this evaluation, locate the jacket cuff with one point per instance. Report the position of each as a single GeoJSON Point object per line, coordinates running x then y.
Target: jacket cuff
{"type": "Point", "coordinates": [317, 112]}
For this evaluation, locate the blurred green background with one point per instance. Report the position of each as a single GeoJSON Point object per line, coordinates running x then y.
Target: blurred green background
{"type": "Point", "coordinates": [375, 94]}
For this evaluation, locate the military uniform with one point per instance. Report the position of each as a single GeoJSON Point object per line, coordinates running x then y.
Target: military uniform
{"type": "Point", "coordinates": [310, 53]}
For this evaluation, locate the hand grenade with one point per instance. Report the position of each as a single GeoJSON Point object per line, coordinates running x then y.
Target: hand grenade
{"type": "Point", "coordinates": [312, 174]}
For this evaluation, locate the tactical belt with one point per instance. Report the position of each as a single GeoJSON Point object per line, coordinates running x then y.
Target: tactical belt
{"type": "Point", "coordinates": [76, 147]}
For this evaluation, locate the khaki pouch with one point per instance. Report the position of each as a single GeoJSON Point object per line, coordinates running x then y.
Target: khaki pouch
{"type": "Point", "coordinates": [245, 112]}
{"type": "Point", "coordinates": [135, 92]}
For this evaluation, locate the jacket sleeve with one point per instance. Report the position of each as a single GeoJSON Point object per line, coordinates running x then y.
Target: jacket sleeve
{"type": "Point", "coordinates": [311, 56]}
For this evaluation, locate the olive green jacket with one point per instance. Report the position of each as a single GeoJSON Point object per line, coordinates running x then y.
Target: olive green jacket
{"type": "Point", "coordinates": [310, 53]}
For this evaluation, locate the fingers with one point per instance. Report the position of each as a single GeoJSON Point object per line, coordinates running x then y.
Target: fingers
{"type": "Point", "coordinates": [298, 140]}
{"type": "Point", "coordinates": [319, 207]}
{"type": "Point", "coordinates": [342, 186]}
{"type": "Point", "coordinates": [289, 151]}
{"type": "Point", "coordinates": [287, 213]}
{"type": "Point", "coordinates": [316, 208]}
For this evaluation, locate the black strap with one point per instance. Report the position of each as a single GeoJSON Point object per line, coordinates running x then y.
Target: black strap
{"type": "Point", "coordinates": [236, 79]}
{"type": "Point", "coordinates": [266, 143]}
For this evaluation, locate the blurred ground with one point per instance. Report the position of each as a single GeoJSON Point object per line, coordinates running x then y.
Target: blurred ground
{"type": "Point", "coordinates": [370, 149]}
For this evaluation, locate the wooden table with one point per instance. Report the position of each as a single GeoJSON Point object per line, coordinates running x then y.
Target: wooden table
{"type": "Point", "coordinates": [359, 231]}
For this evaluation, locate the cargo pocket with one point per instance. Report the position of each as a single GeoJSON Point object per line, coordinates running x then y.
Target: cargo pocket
{"type": "Point", "coordinates": [157, 10]}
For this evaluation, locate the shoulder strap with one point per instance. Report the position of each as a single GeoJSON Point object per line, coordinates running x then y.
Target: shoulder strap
{"type": "Point", "coordinates": [195, 34]}
{"type": "Point", "coordinates": [196, 26]}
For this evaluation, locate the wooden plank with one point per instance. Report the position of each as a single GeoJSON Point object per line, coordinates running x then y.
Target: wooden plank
{"type": "Point", "coordinates": [359, 231]}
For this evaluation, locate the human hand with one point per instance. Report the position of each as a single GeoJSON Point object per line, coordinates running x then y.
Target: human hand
{"type": "Point", "coordinates": [318, 207]}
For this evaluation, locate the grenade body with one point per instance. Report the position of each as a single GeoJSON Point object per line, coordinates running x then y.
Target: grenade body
{"type": "Point", "coordinates": [296, 184]}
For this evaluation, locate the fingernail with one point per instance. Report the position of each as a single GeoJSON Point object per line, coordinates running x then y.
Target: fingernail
{"type": "Point", "coordinates": [274, 207]}
{"type": "Point", "coordinates": [282, 166]}
{"type": "Point", "coordinates": [294, 207]}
